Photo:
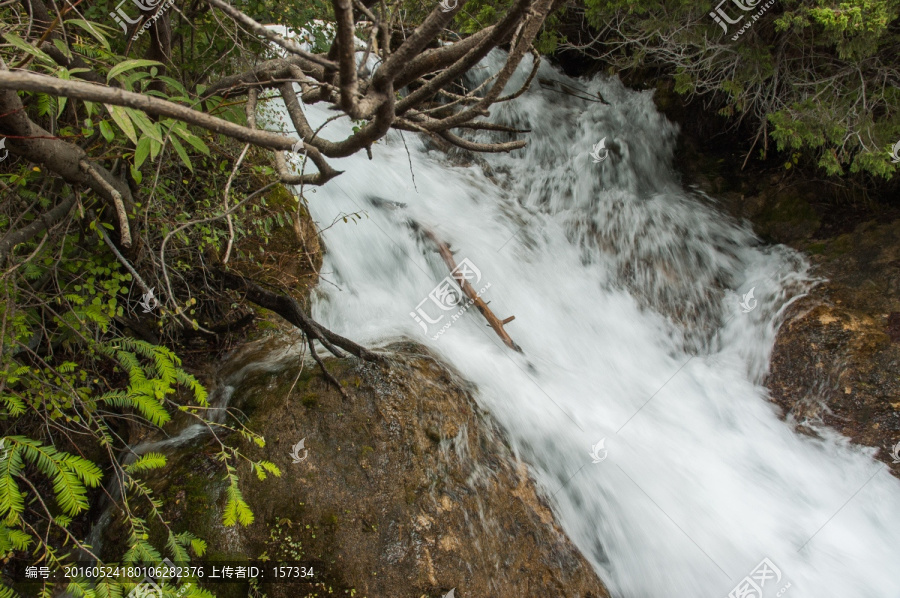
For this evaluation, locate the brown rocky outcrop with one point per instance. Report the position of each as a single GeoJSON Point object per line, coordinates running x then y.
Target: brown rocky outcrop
{"type": "Point", "coordinates": [407, 489]}
{"type": "Point", "coordinates": [837, 357]}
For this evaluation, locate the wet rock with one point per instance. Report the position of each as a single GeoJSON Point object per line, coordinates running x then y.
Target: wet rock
{"type": "Point", "coordinates": [786, 216]}
{"type": "Point", "coordinates": [407, 489]}
{"type": "Point", "coordinates": [837, 357]}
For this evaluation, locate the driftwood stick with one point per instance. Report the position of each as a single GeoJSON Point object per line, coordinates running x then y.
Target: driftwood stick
{"type": "Point", "coordinates": [493, 321]}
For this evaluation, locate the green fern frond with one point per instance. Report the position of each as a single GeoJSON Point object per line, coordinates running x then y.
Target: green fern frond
{"type": "Point", "coordinates": [108, 589]}
{"type": "Point", "coordinates": [12, 500]}
{"type": "Point", "coordinates": [147, 462]}
{"type": "Point", "coordinates": [200, 394]}
{"type": "Point", "coordinates": [14, 405]}
{"type": "Point", "coordinates": [236, 508]}
{"type": "Point", "coordinates": [13, 539]}
{"type": "Point", "coordinates": [148, 406]}
{"type": "Point", "coordinates": [141, 551]}
{"type": "Point", "coordinates": [71, 474]}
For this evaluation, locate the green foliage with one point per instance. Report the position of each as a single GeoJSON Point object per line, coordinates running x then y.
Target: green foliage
{"type": "Point", "coordinates": [236, 508]}
{"type": "Point", "coordinates": [811, 71]}
{"type": "Point", "coordinates": [70, 375]}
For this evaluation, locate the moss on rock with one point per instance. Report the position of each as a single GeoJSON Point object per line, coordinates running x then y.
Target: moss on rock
{"type": "Point", "coordinates": [407, 490]}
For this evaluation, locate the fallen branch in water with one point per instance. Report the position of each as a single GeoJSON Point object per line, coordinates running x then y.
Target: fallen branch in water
{"type": "Point", "coordinates": [493, 321]}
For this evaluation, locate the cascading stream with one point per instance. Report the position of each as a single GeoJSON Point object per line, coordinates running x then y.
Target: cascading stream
{"type": "Point", "coordinates": [626, 292]}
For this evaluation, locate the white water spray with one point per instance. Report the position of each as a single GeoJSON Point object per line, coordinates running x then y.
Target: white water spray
{"type": "Point", "coordinates": [626, 292]}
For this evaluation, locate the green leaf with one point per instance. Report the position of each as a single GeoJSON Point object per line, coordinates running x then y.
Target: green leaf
{"type": "Point", "coordinates": [145, 124]}
{"type": "Point", "coordinates": [147, 462]}
{"type": "Point", "coordinates": [155, 147]}
{"type": "Point", "coordinates": [119, 115]}
{"type": "Point", "coordinates": [198, 546]}
{"type": "Point", "coordinates": [141, 151]}
{"type": "Point", "coordinates": [107, 131]}
{"type": "Point", "coordinates": [26, 47]}
{"type": "Point", "coordinates": [128, 65]}
{"type": "Point", "coordinates": [173, 83]}
{"type": "Point", "coordinates": [62, 47]}
{"type": "Point", "coordinates": [93, 29]}
{"type": "Point", "coordinates": [179, 149]}
{"type": "Point", "coordinates": [236, 508]}
{"type": "Point", "coordinates": [181, 130]}
{"type": "Point", "coordinates": [14, 405]}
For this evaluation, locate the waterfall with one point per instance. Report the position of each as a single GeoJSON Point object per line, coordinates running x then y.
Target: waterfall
{"type": "Point", "coordinates": [633, 307]}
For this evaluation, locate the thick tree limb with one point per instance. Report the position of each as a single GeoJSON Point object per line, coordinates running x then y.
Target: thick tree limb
{"type": "Point", "coordinates": [346, 43]}
{"type": "Point", "coordinates": [522, 44]}
{"type": "Point", "coordinates": [26, 139]}
{"type": "Point", "coordinates": [26, 81]}
{"type": "Point", "coordinates": [367, 135]}
{"type": "Point", "coordinates": [424, 34]}
{"type": "Point", "coordinates": [434, 59]}
{"type": "Point", "coordinates": [481, 147]}
{"type": "Point", "coordinates": [288, 308]}
{"type": "Point", "coordinates": [500, 33]}
{"type": "Point", "coordinates": [268, 74]}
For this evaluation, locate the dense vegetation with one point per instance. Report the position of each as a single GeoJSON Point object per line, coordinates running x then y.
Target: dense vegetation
{"type": "Point", "coordinates": [816, 79]}
{"type": "Point", "coordinates": [111, 202]}
{"type": "Point", "coordinates": [139, 198]}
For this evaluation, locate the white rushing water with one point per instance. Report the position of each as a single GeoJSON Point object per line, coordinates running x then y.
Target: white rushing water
{"type": "Point", "coordinates": [605, 265]}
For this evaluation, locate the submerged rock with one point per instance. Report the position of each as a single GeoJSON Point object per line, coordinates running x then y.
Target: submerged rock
{"type": "Point", "coordinates": [406, 489]}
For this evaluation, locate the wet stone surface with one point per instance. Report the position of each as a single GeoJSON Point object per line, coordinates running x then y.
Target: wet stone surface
{"type": "Point", "coordinates": [407, 488]}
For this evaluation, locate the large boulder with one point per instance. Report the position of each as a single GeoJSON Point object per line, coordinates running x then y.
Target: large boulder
{"type": "Point", "coordinates": [407, 489]}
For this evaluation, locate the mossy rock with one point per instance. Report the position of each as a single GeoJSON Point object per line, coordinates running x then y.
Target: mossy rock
{"type": "Point", "coordinates": [787, 218]}
{"type": "Point", "coordinates": [381, 502]}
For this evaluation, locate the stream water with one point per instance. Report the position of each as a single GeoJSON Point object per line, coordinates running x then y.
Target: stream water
{"type": "Point", "coordinates": [627, 293]}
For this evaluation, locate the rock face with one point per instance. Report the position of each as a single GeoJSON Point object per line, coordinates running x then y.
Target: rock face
{"type": "Point", "coordinates": [407, 489]}
{"type": "Point", "coordinates": [837, 357]}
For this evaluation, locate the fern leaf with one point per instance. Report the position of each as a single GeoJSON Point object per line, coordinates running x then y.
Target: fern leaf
{"type": "Point", "coordinates": [147, 462]}
{"type": "Point", "coordinates": [14, 405]}
{"type": "Point", "coordinates": [236, 508]}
